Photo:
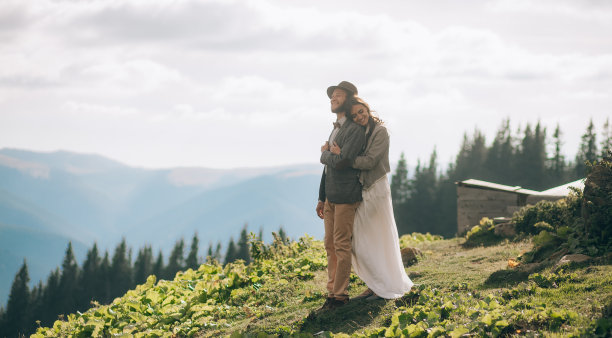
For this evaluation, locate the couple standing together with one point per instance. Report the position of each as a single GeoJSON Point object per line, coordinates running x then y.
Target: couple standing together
{"type": "Point", "coordinates": [355, 203]}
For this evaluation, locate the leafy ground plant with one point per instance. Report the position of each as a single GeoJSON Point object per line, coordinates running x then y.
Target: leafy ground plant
{"type": "Point", "coordinates": [482, 234]}
{"type": "Point", "coordinates": [278, 294]}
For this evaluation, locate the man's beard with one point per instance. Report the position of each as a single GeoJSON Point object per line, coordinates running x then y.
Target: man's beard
{"type": "Point", "coordinates": [340, 109]}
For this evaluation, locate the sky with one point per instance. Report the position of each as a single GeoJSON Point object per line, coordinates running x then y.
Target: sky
{"type": "Point", "coordinates": [227, 84]}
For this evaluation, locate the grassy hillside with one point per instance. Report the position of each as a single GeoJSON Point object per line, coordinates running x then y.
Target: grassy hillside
{"type": "Point", "coordinates": [459, 290]}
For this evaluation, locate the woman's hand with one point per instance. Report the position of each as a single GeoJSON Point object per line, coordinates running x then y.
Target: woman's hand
{"type": "Point", "coordinates": [325, 146]}
{"type": "Point", "coordinates": [335, 149]}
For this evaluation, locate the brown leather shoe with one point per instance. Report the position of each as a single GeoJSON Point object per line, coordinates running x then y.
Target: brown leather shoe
{"type": "Point", "coordinates": [327, 304]}
{"type": "Point", "coordinates": [367, 293]}
{"type": "Point", "coordinates": [336, 303]}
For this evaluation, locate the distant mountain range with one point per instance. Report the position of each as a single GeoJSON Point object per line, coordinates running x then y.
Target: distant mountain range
{"type": "Point", "coordinates": [48, 199]}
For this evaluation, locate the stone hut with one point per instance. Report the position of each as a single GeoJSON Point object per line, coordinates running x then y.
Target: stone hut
{"type": "Point", "coordinates": [477, 199]}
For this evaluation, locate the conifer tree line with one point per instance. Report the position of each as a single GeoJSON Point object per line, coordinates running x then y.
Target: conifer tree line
{"type": "Point", "coordinates": [102, 278]}
{"type": "Point", "coordinates": [530, 157]}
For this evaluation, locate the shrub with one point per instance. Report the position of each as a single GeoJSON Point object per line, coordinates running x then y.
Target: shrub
{"type": "Point", "coordinates": [597, 203]}
{"type": "Point", "coordinates": [548, 215]}
{"type": "Point", "coordinates": [483, 233]}
{"type": "Point", "coordinates": [545, 239]}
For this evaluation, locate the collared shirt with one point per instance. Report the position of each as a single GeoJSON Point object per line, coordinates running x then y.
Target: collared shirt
{"type": "Point", "coordinates": [334, 132]}
{"type": "Point", "coordinates": [332, 137]}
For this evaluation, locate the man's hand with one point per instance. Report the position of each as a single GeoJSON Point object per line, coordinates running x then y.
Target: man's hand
{"type": "Point", "coordinates": [335, 149]}
{"type": "Point", "coordinates": [325, 146]}
{"type": "Point", "coordinates": [319, 209]}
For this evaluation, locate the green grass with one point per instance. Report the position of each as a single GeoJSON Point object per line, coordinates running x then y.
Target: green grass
{"type": "Point", "coordinates": [459, 291]}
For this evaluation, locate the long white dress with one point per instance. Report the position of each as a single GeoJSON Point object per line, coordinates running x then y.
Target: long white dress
{"type": "Point", "coordinates": [376, 253]}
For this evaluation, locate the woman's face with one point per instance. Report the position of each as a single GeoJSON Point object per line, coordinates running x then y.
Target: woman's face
{"type": "Point", "coordinates": [360, 114]}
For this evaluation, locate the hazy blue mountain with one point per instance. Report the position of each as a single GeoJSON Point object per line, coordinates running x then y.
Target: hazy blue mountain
{"type": "Point", "coordinates": [42, 250]}
{"type": "Point", "coordinates": [48, 199]}
{"type": "Point", "coordinates": [19, 212]}
{"type": "Point", "coordinates": [98, 199]}
{"type": "Point", "coordinates": [153, 195]}
{"type": "Point", "coordinates": [66, 161]}
{"type": "Point", "coordinates": [264, 202]}
{"type": "Point", "coordinates": [63, 194]}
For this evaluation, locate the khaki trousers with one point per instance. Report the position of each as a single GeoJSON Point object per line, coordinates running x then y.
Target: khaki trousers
{"type": "Point", "coordinates": [338, 219]}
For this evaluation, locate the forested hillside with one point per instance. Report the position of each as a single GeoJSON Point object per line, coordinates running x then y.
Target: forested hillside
{"type": "Point", "coordinates": [531, 157]}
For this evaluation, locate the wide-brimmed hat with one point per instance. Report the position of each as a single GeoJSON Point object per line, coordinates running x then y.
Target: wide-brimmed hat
{"type": "Point", "coordinates": [342, 85]}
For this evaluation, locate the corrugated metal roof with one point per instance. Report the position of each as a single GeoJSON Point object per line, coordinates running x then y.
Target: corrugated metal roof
{"type": "Point", "coordinates": [562, 190]}
{"type": "Point", "coordinates": [495, 186]}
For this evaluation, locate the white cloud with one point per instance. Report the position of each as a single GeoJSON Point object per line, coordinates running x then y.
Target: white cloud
{"type": "Point", "coordinates": [96, 109]}
{"type": "Point", "coordinates": [583, 9]}
{"type": "Point", "coordinates": [260, 68]}
{"type": "Point", "coordinates": [133, 75]}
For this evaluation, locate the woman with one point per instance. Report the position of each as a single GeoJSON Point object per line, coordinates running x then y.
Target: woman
{"type": "Point", "coordinates": [376, 254]}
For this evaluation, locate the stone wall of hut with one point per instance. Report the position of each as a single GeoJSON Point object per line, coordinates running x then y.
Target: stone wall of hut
{"type": "Point", "coordinates": [473, 204]}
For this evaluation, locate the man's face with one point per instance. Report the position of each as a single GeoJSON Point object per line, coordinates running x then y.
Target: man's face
{"type": "Point", "coordinates": [337, 99]}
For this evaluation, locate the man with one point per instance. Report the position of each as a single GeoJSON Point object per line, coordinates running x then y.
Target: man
{"type": "Point", "coordinates": [340, 193]}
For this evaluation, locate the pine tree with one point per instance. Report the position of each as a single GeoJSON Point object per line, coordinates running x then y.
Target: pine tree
{"type": "Point", "coordinates": [471, 158]}
{"type": "Point", "coordinates": [587, 151]}
{"type": "Point", "coordinates": [244, 252]}
{"type": "Point", "coordinates": [17, 315]}
{"type": "Point", "coordinates": [143, 266]}
{"type": "Point", "coordinates": [538, 159]}
{"type": "Point", "coordinates": [218, 252]}
{"type": "Point", "coordinates": [158, 267]}
{"type": "Point", "coordinates": [36, 305]}
{"type": "Point", "coordinates": [89, 278]}
{"type": "Point", "coordinates": [176, 261]}
{"type": "Point", "coordinates": [421, 203]}
{"type": "Point", "coordinates": [210, 255]}
{"type": "Point", "coordinates": [507, 158]}
{"type": "Point", "coordinates": [232, 251]}
{"type": "Point", "coordinates": [282, 234]}
{"type": "Point", "coordinates": [445, 219]}
{"type": "Point", "coordinates": [51, 297]}
{"type": "Point", "coordinates": [104, 290]}
{"type": "Point", "coordinates": [525, 158]}
{"type": "Point", "coordinates": [606, 135]}
{"type": "Point", "coordinates": [497, 164]}
{"type": "Point", "coordinates": [478, 153]}
{"type": "Point", "coordinates": [399, 182]}
{"type": "Point", "coordinates": [68, 282]}
{"type": "Point", "coordinates": [400, 190]}
{"type": "Point", "coordinates": [2, 322]}
{"type": "Point", "coordinates": [121, 270]}
{"type": "Point", "coordinates": [557, 163]}
{"type": "Point", "coordinates": [192, 258]}
{"type": "Point", "coordinates": [461, 170]}
{"type": "Point", "coordinates": [531, 159]}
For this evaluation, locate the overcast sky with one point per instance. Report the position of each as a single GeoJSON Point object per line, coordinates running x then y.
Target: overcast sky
{"type": "Point", "coordinates": [224, 84]}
